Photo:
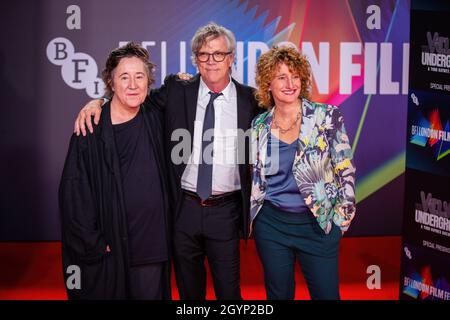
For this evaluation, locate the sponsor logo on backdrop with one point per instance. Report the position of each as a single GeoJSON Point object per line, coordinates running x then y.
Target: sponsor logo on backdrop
{"type": "Point", "coordinates": [419, 289]}
{"type": "Point", "coordinates": [424, 275]}
{"type": "Point", "coordinates": [432, 214]}
{"type": "Point", "coordinates": [435, 58]}
{"type": "Point", "coordinates": [426, 218]}
{"type": "Point", "coordinates": [78, 70]}
{"type": "Point", "coordinates": [436, 53]}
{"type": "Point", "coordinates": [428, 131]}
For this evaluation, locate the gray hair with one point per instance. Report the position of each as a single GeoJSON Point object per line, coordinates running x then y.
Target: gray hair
{"type": "Point", "coordinates": [213, 31]}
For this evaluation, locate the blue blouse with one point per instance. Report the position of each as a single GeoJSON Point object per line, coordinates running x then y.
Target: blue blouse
{"type": "Point", "coordinates": [282, 190]}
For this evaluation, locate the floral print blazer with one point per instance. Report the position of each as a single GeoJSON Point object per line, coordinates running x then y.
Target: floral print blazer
{"type": "Point", "coordinates": [322, 167]}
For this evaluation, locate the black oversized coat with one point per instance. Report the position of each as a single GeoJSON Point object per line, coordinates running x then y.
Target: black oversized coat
{"type": "Point", "coordinates": [93, 212]}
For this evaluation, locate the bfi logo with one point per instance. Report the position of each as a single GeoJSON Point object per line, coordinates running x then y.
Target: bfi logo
{"type": "Point", "coordinates": [79, 70]}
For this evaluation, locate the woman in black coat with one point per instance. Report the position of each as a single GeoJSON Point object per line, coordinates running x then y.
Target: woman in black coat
{"type": "Point", "coordinates": [113, 193]}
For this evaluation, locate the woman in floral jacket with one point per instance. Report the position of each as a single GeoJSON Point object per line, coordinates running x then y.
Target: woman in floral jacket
{"type": "Point", "coordinates": [303, 190]}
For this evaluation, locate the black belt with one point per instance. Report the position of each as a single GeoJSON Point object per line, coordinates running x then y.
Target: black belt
{"type": "Point", "coordinates": [213, 200]}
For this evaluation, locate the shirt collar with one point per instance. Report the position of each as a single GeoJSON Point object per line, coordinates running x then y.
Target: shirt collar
{"type": "Point", "coordinates": [226, 93]}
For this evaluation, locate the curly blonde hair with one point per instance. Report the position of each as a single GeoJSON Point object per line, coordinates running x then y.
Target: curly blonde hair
{"type": "Point", "coordinates": [267, 67]}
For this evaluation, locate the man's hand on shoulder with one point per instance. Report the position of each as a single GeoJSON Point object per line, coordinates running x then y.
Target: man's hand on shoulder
{"type": "Point", "coordinates": [184, 76]}
{"type": "Point", "coordinates": [92, 108]}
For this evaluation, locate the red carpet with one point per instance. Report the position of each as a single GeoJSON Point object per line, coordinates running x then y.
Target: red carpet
{"type": "Point", "coordinates": [33, 270]}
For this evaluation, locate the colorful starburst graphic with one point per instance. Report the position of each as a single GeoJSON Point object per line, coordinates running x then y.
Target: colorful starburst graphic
{"type": "Point", "coordinates": [430, 133]}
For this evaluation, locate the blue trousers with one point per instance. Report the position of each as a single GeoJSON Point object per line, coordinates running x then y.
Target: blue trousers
{"type": "Point", "coordinates": [283, 237]}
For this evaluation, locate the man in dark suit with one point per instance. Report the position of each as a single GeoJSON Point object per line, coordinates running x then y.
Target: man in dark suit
{"type": "Point", "coordinates": [210, 188]}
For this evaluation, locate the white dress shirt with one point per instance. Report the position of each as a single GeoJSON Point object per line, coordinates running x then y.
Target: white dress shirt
{"type": "Point", "coordinates": [225, 173]}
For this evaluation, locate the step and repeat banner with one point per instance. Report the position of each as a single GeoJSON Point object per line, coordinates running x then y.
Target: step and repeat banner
{"type": "Point", "coordinates": [425, 271]}
{"type": "Point", "coordinates": [53, 52]}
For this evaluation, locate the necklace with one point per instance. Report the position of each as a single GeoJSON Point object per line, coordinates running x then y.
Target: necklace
{"type": "Point", "coordinates": [294, 123]}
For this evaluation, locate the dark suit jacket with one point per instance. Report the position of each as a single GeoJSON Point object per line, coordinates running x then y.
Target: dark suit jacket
{"type": "Point", "coordinates": [178, 101]}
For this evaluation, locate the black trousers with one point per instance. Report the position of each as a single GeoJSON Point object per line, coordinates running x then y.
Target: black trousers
{"type": "Point", "coordinates": [211, 232]}
{"type": "Point", "coordinates": [146, 281]}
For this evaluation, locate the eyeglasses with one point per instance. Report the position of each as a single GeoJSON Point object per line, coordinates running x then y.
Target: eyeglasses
{"type": "Point", "coordinates": [217, 56]}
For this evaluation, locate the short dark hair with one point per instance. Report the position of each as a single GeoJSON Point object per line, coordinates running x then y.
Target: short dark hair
{"type": "Point", "coordinates": [131, 49]}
